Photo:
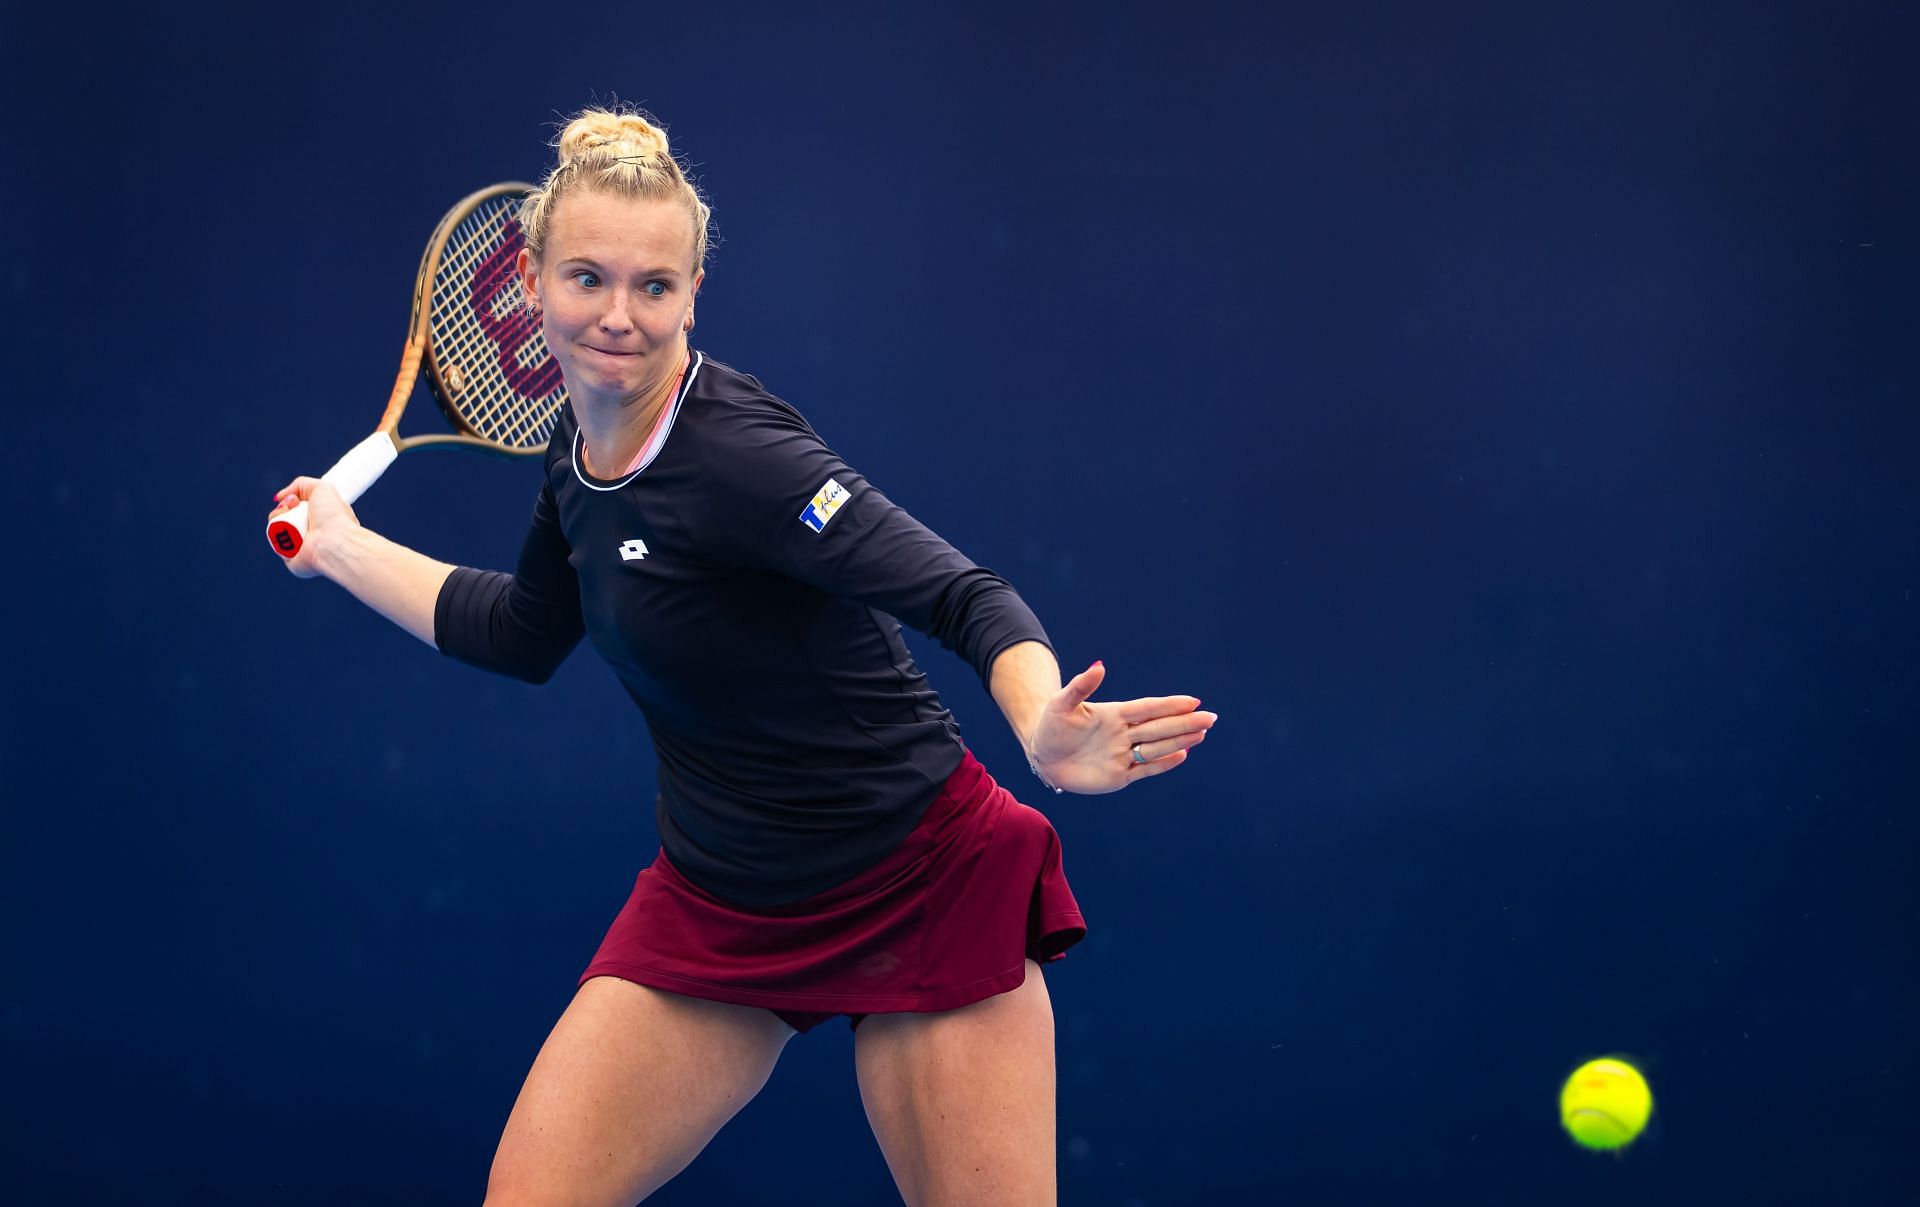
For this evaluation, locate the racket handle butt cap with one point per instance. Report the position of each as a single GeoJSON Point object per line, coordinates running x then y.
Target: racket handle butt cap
{"type": "Point", "coordinates": [288, 532]}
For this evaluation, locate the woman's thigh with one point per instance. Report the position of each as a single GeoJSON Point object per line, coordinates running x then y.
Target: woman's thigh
{"type": "Point", "coordinates": [630, 1086]}
{"type": "Point", "coordinates": [962, 1101]}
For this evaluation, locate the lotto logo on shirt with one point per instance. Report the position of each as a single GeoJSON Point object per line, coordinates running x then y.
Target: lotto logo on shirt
{"type": "Point", "coordinates": [825, 503]}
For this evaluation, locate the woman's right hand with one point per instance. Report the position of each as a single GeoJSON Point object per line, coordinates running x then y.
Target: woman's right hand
{"type": "Point", "coordinates": [327, 516]}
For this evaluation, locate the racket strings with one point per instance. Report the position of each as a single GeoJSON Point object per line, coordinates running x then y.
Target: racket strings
{"type": "Point", "coordinates": [483, 330]}
{"type": "Point", "coordinates": [492, 357]}
{"type": "Point", "coordinates": [484, 260]}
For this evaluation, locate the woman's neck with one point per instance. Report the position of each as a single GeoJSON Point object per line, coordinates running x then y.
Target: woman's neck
{"type": "Point", "coordinates": [612, 434]}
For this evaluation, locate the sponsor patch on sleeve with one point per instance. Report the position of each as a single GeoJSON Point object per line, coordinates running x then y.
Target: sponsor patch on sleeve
{"type": "Point", "coordinates": [826, 501]}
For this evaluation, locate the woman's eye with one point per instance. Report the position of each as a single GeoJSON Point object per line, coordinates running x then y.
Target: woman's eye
{"type": "Point", "coordinates": [585, 279]}
{"type": "Point", "coordinates": [656, 289]}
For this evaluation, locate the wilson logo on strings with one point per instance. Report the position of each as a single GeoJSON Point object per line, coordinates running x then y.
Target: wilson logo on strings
{"type": "Point", "coordinates": [496, 303]}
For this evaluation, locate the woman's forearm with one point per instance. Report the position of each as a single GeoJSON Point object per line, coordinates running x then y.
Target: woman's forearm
{"type": "Point", "coordinates": [395, 581]}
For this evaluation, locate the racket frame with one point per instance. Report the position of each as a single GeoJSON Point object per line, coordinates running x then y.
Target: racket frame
{"type": "Point", "coordinates": [419, 347]}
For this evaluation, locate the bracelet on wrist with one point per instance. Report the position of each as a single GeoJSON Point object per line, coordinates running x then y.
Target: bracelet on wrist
{"type": "Point", "coordinates": [1044, 781]}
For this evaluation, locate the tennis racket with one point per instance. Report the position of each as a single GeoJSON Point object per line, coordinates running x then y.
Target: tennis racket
{"type": "Point", "coordinates": [485, 360]}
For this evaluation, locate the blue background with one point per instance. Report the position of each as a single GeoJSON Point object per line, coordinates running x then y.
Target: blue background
{"type": "Point", "coordinates": [1502, 414]}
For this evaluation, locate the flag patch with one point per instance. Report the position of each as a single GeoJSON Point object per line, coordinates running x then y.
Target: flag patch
{"type": "Point", "coordinates": [826, 501]}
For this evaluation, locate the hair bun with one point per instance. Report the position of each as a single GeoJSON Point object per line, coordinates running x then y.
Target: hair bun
{"type": "Point", "coordinates": [621, 152]}
{"type": "Point", "coordinates": [613, 135]}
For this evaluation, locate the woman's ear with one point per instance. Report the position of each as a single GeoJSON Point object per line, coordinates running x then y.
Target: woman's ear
{"type": "Point", "coordinates": [529, 274]}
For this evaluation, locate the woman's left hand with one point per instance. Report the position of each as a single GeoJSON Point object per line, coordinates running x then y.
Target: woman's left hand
{"type": "Point", "coordinates": [1092, 748]}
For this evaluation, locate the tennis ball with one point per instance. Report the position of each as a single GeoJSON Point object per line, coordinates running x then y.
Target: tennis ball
{"type": "Point", "coordinates": [1605, 1104]}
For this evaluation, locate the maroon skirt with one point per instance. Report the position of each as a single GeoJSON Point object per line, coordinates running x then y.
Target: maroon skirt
{"type": "Point", "coordinates": [950, 917]}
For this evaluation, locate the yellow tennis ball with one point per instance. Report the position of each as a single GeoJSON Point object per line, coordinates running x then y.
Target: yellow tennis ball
{"type": "Point", "coordinates": [1605, 1104]}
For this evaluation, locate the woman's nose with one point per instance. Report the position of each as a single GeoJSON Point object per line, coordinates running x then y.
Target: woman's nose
{"type": "Point", "coordinates": [618, 316]}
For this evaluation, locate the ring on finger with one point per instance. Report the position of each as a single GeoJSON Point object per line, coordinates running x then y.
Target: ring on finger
{"type": "Point", "coordinates": [1134, 750]}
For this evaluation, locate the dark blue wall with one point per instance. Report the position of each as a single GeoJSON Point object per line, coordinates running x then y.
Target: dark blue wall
{"type": "Point", "coordinates": [1504, 415]}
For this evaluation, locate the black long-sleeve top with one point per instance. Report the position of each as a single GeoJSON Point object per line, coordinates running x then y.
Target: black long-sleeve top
{"type": "Point", "coordinates": [742, 583]}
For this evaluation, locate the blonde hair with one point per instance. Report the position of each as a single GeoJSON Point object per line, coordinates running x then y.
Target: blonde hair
{"type": "Point", "coordinates": [617, 151]}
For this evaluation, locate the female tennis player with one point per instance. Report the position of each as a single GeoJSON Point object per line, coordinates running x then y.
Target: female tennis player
{"type": "Point", "coordinates": [828, 845]}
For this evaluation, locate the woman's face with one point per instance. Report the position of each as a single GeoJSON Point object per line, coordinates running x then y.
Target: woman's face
{"type": "Point", "coordinates": [615, 288]}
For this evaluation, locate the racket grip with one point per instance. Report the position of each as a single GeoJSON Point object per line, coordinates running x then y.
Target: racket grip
{"type": "Point", "coordinates": [350, 475]}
